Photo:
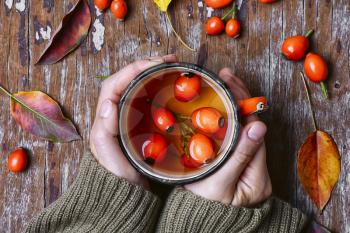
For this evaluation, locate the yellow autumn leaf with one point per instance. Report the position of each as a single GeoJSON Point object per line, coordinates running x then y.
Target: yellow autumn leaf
{"type": "Point", "coordinates": [162, 4]}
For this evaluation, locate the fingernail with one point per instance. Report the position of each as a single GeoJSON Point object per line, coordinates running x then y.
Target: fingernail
{"type": "Point", "coordinates": [228, 71]}
{"type": "Point", "coordinates": [257, 131]}
{"type": "Point", "coordinates": [106, 109]}
{"type": "Point", "coordinates": [155, 59]}
{"type": "Point", "coordinates": [169, 58]}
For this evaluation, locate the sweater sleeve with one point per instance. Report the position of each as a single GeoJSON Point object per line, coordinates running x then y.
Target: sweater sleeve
{"type": "Point", "coordinates": [99, 201]}
{"type": "Point", "coordinates": [187, 212]}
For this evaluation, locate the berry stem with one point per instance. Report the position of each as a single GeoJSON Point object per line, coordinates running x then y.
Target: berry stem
{"type": "Point", "coordinates": [234, 13]}
{"type": "Point", "coordinates": [102, 76]}
{"type": "Point", "coordinates": [227, 14]}
{"type": "Point", "coordinates": [309, 100]}
{"type": "Point", "coordinates": [324, 89]}
{"type": "Point", "coordinates": [309, 33]}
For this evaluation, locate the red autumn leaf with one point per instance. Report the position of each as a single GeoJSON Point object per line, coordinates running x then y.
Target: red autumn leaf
{"type": "Point", "coordinates": [40, 115]}
{"type": "Point", "coordinates": [71, 32]}
{"type": "Point", "coordinates": [319, 167]}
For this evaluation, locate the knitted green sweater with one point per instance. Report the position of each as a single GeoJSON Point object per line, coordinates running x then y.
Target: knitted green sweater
{"type": "Point", "coordinates": [98, 201]}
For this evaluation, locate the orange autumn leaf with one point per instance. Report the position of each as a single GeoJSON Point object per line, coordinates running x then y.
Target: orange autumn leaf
{"type": "Point", "coordinates": [319, 167]}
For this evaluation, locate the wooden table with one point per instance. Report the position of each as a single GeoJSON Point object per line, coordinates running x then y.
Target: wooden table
{"type": "Point", "coordinates": [255, 57]}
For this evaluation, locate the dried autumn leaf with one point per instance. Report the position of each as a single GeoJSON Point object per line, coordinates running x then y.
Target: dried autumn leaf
{"type": "Point", "coordinates": [69, 35]}
{"type": "Point", "coordinates": [162, 4]}
{"type": "Point", "coordinates": [40, 115]}
{"type": "Point", "coordinates": [319, 167]}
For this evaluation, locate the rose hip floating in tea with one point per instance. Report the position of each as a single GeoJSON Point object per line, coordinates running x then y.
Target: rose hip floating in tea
{"type": "Point", "coordinates": [189, 162]}
{"type": "Point", "coordinates": [154, 148]}
{"type": "Point", "coordinates": [164, 119]}
{"type": "Point", "coordinates": [201, 148]}
{"type": "Point", "coordinates": [187, 87]}
{"type": "Point", "coordinates": [208, 120]}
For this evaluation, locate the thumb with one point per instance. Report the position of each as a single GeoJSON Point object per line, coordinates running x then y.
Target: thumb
{"type": "Point", "coordinates": [251, 138]}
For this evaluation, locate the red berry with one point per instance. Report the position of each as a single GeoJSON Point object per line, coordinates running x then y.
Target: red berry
{"type": "Point", "coordinates": [294, 48]}
{"type": "Point", "coordinates": [201, 148]}
{"type": "Point", "coordinates": [154, 148]}
{"type": "Point", "coordinates": [315, 68]}
{"type": "Point", "coordinates": [221, 133]}
{"type": "Point", "coordinates": [164, 119]}
{"type": "Point", "coordinates": [214, 26]}
{"type": "Point", "coordinates": [119, 9]}
{"type": "Point", "coordinates": [207, 119]}
{"type": "Point", "coordinates": [17, 160]}
{"type": "Point", "coordinates": [187, 87]}
{"type": "Point", "coordinates": [233, 28]}
{"type": "Point", "coordinates": [188, 162]}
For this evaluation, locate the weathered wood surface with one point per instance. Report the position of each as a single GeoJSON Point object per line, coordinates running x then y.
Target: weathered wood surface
{"type": "Point", "coordinates": [24, 30]}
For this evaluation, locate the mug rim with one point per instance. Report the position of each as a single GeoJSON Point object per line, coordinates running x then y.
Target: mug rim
{"type": "Point", "coordinates": [232, 144]}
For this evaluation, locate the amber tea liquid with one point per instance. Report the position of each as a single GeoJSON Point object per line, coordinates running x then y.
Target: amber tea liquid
{"type": "Point", "coordinates": [159, 91]}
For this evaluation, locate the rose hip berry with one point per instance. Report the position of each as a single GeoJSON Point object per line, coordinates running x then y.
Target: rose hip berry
{"type": "Point", "coordinates": [154, 148]}
{"type": "Point", "coordinates": [214, 26]}
{"type": "Point", "coordinates": [207, 119]}
{"type": "Point", "coordinates": [17, 160]}
{"type": "Point", "coordinates": [188, 162]}
{"type": "Point", "coordinates": [164, 119]}
{"type": "Point", "coordinates": [119, 9]}
{"type": "Point", "coordinates": [187, 87]}
{"type": "Point", "coordinates": [201, 148]}
{"type": "Point", "coordinates": [295, 47]}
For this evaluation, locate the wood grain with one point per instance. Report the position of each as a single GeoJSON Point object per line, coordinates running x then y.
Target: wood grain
{"type": "Point", "coordinates": [255, 57]}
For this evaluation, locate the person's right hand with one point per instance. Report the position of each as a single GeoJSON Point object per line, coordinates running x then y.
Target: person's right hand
{"type": "Point", "coordinates": [243, 180]}
{"type": "Point", "coordinates": [103, 143]}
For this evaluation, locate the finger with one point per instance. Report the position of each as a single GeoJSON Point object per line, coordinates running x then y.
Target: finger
{"type": "Point", "coordinates": [255, 181]}
{"type": "Point", "coordinates": [104, 144]}
{"type": "Point", "coordinates": [251, 138]}
{"type": "Point", "coordinates": [238, 90]}
{"type": "Point", "coordinates": [113, 87]}
{"type": "Point", "coordinates": [227, 72]}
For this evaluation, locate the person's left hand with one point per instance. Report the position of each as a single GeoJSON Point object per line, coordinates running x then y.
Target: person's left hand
{"type": "Point", "coordinates": [103, 143]}
{"type": "Point", "coordinates": [244, 179]}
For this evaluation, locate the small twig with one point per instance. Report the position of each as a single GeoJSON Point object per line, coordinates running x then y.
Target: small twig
{"type": "Point", "coordinates": [177, 35]}
{"type": "Point", "coordinates": [102, 76]}
{"type": "Point", "coordinates": [309, 100]}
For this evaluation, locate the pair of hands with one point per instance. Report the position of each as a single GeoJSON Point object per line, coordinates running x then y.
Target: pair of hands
{"type": "Point", "coordinates": [242, 181]}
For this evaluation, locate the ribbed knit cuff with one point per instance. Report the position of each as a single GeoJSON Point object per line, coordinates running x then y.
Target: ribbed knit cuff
{"type": "Point", "coordinates": [187, 212]}
{"type": "Point", "coordinates": [98, 201]}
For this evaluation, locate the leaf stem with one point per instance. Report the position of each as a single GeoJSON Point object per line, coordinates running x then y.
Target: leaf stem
{"type": "Point", "coordinates": [227, 14]}
{"type": "Point", "coordinates": [309, 33]}
{"type": "Point", "coordinates": [102, 76]}
{"type": "Point", "coordinates": [177, 35]}
{"type": "Point", "coordinates": [324, 89]}
{"type": "Point", "coordinates": [309, 100]}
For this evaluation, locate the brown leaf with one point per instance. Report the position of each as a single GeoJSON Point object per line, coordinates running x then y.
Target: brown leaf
{"type": "Point", "coordinates": [319, 167]}
{"type": "Point", "coordinates": [69, 35]}
{"type": "Point", "coordinates": [40, 115]}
